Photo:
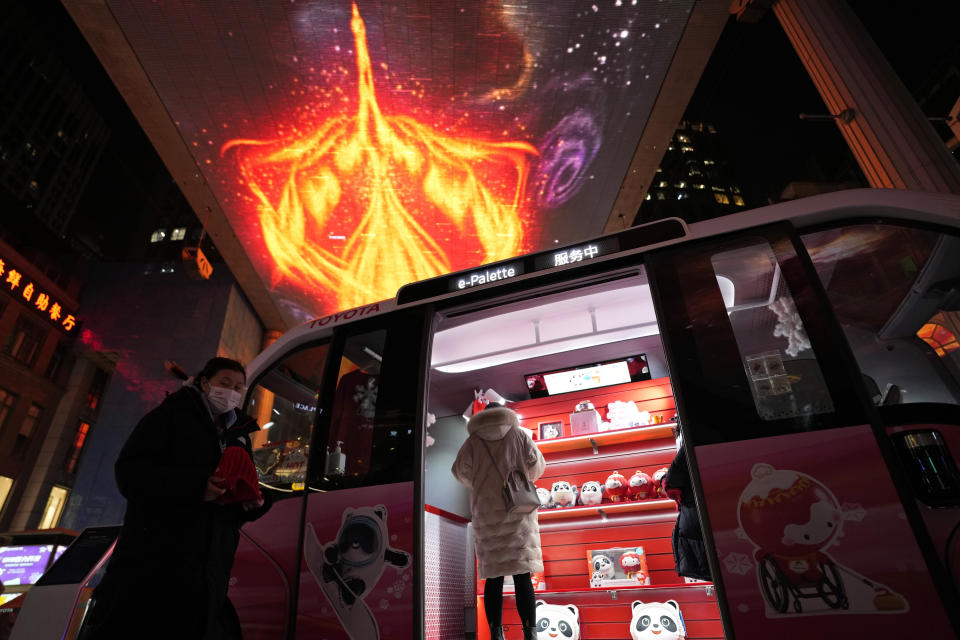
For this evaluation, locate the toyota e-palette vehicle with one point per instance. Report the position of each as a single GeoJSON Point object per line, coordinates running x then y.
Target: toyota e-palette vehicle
{"type": "Point", "coordinates": [805, 353]}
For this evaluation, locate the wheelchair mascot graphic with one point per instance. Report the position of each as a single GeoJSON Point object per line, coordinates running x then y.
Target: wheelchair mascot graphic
{"type": "Point", "coordinates": [792, 519]}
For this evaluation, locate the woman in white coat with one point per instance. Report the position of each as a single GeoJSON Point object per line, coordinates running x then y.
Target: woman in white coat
{"type": "Point", "coordinates": [508, 544]}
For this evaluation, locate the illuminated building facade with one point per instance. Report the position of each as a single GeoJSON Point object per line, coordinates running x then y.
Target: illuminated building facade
{"type": "Point", "coordinates": [43, 384]}
{"type": "Point", "coordinates": [693, 181]}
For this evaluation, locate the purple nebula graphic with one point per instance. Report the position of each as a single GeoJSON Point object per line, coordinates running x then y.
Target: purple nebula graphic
{"type": "Point", "coordinates": [566, 153]}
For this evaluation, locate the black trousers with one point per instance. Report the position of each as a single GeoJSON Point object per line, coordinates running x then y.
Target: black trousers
{"type": "Point", "coordinates": [493, 600]}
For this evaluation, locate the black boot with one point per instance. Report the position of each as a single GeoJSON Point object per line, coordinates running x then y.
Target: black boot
{"type": "Point", "coordinates": [496, 632]}
{"type": "Point", "coordinates": [529, 633]}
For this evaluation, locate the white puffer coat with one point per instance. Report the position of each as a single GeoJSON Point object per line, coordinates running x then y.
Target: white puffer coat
{"type": "Point", "coordinates": [507, 543]}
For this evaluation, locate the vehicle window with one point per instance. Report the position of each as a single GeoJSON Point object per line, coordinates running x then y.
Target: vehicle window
{"type": "Point", "coordinates": [782, 371]}
{"type": "Point", "coordinates": [369, 439]}
{"type": "Point", "coordinates": [896, 292]}
{"type": "Point", "coordinates": [284, 404]}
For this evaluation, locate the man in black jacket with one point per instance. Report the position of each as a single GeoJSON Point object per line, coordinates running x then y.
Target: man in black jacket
{"type": "Point", "coordinates": [689, 552]}
{"type": "Point", "coordinates": [169, 573]}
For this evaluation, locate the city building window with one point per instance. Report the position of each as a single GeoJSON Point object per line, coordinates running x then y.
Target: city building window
{"type": "Point", "coordinates": [737, 200]}
{"type": "Point", "coordinates": [25, 341]}
{"type": "Point", "coordinates": [711, 129]}
{"type": "Point", "coordinates": [54, 508]}
{"type": "Point", "coordinates": [158, 236]}
{"type": "Point", "coordinates": [79, 438]}
{"type": "Point", "coordinates": [168, 267]}
{"type": "Point", "coordinates": [647, 197]}
{"type": "Point", "coordinates": [179, 233]}
{"type": "Point", "coordinates": [693, 171]}
{"type": "Point", "coordinates": [721, 198]}
{"type": "Point", "coordinates": [6, 484]}
{"type": "Point", "coordinates": [686, 149]}
{"type": "Point", "coordinates": [662, 183]}
{"type": "Point", "coordinates": [7, 400]}
{"type": "Point", "coordinates": [699, 185]}
{"type": "Point", "coordinates": [660, 195]}
{"type": "Point", "coordinates": [682, 195]}
{"type": "Point", "coordinates": [708, 162]}
{"type": "Point", "coordinates": [95, 393]}
{"type": "Point", "coordinates": [720, 189]}
{"type": "Point", "coordinates": [683, 138]}
{"type": "Point", "coordinates": [22, 442]}
{"type": "Point", "coordinates": [681, 184]}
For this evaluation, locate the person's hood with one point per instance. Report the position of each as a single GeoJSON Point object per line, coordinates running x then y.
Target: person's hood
{"type": "Point", "coordinates": [492, 424]}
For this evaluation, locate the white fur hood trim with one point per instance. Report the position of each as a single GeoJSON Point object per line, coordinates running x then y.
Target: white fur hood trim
{"type": "Point", "coordinates": [492, 424]}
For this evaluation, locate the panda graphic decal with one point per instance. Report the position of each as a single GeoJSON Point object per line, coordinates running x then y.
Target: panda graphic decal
{"type": "Point", "coordinates": [350, 566]}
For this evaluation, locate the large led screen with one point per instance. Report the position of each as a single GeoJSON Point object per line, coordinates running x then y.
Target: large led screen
{"type": "Point", "coordinates": [358, 147]}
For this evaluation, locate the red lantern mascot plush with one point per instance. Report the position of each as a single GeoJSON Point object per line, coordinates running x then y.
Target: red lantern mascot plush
{"type": "Point", "coordinates": [641, 486]}
{"type": "Point", "coordinates": [659, 491]}
{"type": "Point", "coordinates": [616, 486]}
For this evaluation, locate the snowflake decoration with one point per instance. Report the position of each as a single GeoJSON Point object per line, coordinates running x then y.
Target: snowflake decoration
{"type": "Point", "coordinates": [365, 395]}
{"type": "Point", "coordinates": [384, 604]}
{"type": "Point", "coordinates": [738, 563]}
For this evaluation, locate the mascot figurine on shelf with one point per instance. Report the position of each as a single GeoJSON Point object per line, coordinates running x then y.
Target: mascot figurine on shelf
{"type": "Point", "coordinates": [556, 621]}
{"type": "Point", "coordinates": [591, 493]}
{"type": "Point", "coordinates": [641, 486]}
{"type": "Point", "coordinates": [616, 486]}
{"type": "Point", "coordinates": [604, 566]}
{"type": "Point", "coordinates": [660, 492]}
{"type": "Point", "coordinates": [634, 565]}
{"type": "Point", "coordinates": [564, 494]}
{"type": "Point", "coordinates": [657, 621]}
{"type": "Point", "coordinates": [544, 496]}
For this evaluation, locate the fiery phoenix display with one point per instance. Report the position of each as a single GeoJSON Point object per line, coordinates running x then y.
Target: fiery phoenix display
{"type": "Point", "coordinates": [405, 201]}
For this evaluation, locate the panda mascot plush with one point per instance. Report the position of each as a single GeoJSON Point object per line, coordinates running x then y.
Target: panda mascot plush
{"type": "Point", "coordinates": [350, 566]}
{"type": "Point", "coordinates": [591, 493]}
{"type": "Point", "coordinates": [557, 622]}
{"type": "Point", "coordinates": [657, 621]}
{"type": "Point", "coordinates": [563, 494]}
{"type": "Point", "coordinates": [604, 566]}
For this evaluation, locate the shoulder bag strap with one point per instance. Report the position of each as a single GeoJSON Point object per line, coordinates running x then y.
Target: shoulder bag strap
{"type": "Point", "coordinates": [487, 447]}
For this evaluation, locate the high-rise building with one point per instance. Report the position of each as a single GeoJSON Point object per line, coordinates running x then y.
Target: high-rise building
{"type": "Point", "coordinates": [51, 135]}
{"type": "Point", "coordinates": [693, 181]}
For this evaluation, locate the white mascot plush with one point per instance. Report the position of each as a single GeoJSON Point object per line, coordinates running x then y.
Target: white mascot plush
{"type": "Point", "coordinates": [544, 496]}
{"type": "Point", "coordinates": [604, 566]}
{"type": "Point", "coordinates": [657, 621]}
{"type": "Point", "coordinates": [557, 622]}
{"type": "Point", "coordinates": [591, 493]}
{"type": "Point", "coordinates": [564, 494]}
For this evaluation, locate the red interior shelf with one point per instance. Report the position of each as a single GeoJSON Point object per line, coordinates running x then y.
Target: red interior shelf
{"type": "Point", "coordinates": [606, 438]}
{"type": "Point", "coordinates": [609, 509]}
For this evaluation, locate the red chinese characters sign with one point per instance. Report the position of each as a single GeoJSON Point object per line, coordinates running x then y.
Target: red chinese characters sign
{"type": "Point", "coordinates": [17, 284]}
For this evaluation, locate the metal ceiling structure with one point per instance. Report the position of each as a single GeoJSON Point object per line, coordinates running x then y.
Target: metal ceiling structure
{"type": "Point", "coordinates": [338, 150]}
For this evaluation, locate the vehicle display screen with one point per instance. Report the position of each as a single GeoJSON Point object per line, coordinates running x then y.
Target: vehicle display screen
{"type": "Point", "coordinates": [590, 376]}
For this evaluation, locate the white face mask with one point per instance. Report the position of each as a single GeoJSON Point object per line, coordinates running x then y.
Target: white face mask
{"type": "Point", "coordinates": [222, 400]}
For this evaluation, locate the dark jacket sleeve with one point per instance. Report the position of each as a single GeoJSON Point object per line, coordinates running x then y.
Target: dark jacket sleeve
{"type": "Point", "coordinates": [144, 468]}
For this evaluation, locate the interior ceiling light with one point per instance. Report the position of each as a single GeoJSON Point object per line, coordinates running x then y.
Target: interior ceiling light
{"type": "Point", "coordinates": [531, 330]}
{"type": "Point", "coordinates": [549, 347]}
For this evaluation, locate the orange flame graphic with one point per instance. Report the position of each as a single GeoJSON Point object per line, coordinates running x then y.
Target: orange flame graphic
{"type": "Point", "coordinates": [379, 181]}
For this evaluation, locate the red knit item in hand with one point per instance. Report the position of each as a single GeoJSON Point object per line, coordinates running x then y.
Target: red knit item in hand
{"type": "Point", "coordinates": [239, 477]}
